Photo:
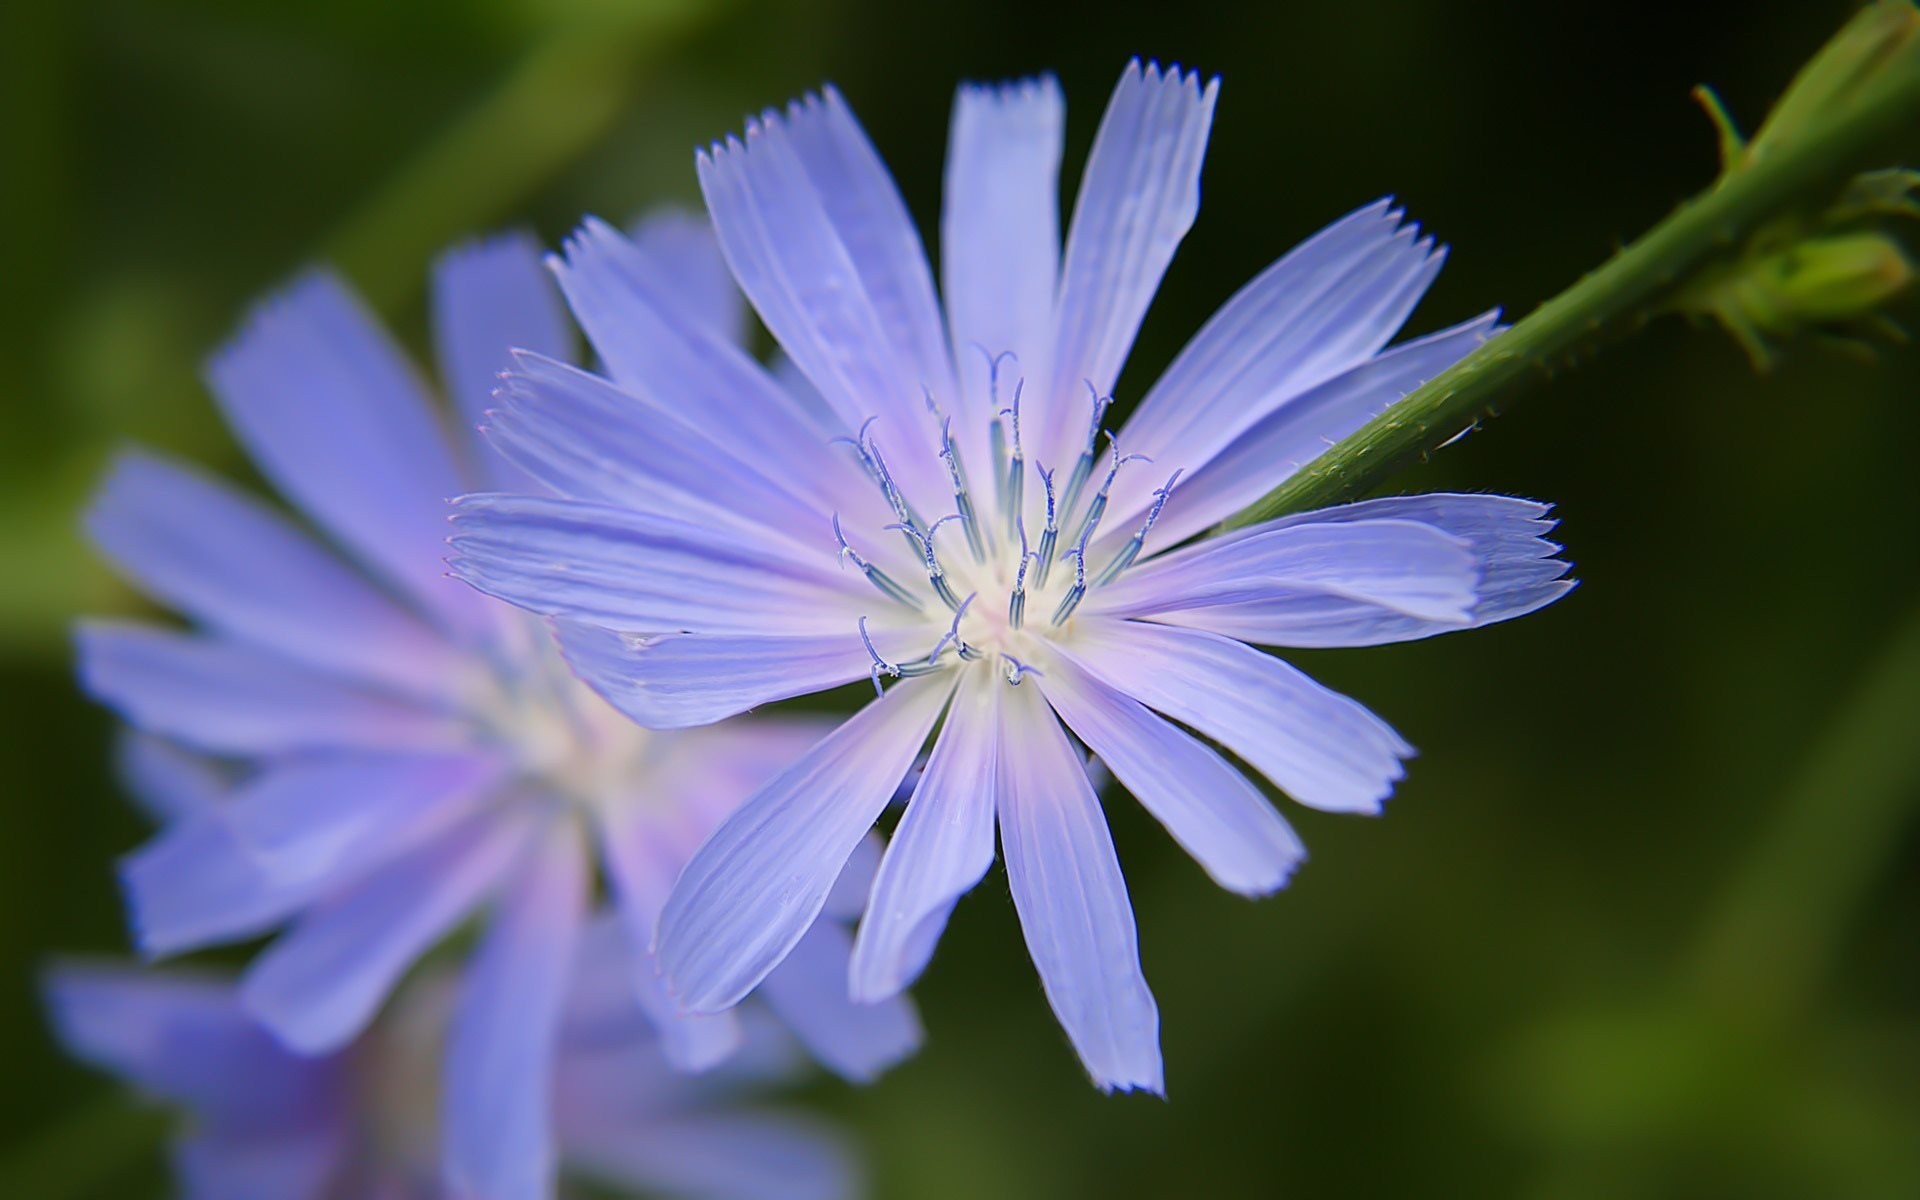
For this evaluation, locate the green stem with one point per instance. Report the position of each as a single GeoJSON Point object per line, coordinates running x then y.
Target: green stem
{"type": "Point", "coordinates": [556, 102]}
{"type": "Point", "coordinates": [1621, 295]}
{"type": "Point", "coordinates": [1766, 945]}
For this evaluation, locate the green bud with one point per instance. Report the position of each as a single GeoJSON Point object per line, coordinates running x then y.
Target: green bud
{"type": "Point", "coordinates": [1883, 36]}
{"type": "Point", "coordinates": [1822, 281]}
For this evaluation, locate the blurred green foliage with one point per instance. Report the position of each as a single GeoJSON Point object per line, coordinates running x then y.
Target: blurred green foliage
{"type": "Point", "coordinates": [1550, 972]}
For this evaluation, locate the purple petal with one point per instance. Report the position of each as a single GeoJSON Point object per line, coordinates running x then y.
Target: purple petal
{"type": "Point", "coordinates": [939, 851]}
{"type": "Point", "coordinates": [680, 680]}
{"type": "Point", "coordinates": [1320, 747]}
{"type": "Point", "coordinates": [195, 885]}
{"type": "Point", "coordinates": [679, 250]}
{"type": "Point", "coordinates": [245, 571]}
{"type": "Point", "coordinates": [609, 566]}
{"type": "Point", "coordinates": [756, 886]}
{"type": "Point", "coordinates": [1208, 806]}
{"type": "Point", "coordinates": [1292, 435]}
{"type": "Point", "coordinates": [1306, 574]}
{"type": "Point", "coordinates": [716, 1157]}
{"type": "Point", "coordinates": [498, 1142]}
{"type": "Point", "coordinates": [305, 819]}
{"type": "Point", "coordinates": [848, 899]}
{"type": "Point", "coordinates": [319, 984]}
{"type": "Point", "coordinates": [334, 414]}
{"type": "Point", "coordinates": [490, 297]}
{"type": "Point", "coordinates": [231, 699]}
{"type": "Point", "coordinates": [808, 991]}
{"type": "Point", "coordinates": [1138, 197]}
{"type": "Point", "coordinates": [298, 1164]}
{"type": "Point", "coordinates": [168, 783]}
{"type": "Point", "coordinates": [1000, 237]}
{"type": "Point", "coordinates": [1072, 900]}
{"type": "Point", "coordinates": [1327, 305]}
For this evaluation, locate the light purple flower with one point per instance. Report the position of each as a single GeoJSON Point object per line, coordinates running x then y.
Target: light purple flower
{"type": "Point", "coordinates": [379, 753]}
{"type": "Point", "coordinates": [367, 1120]}
{"type": "Point", "coordinates": [926, 496]}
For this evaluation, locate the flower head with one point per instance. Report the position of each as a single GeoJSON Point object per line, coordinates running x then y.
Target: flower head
{"type": "Point", "coordinates": [358, 750]}
{"type": "Point", "coordinates": [936, 500]}
{"type": "Point", "coordinates": [367, 1120]}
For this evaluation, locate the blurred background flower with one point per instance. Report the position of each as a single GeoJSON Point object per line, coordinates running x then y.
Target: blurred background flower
{"type": "Point", "coordinates": [1650, 934]}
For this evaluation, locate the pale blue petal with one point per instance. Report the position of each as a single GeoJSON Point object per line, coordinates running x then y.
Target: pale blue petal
{"type": "Point", "coordinates": [940, 849]}
{"type": "Point", "coordinates": [296, 1164]}
{"type": "Point", "coordinates": [305, 819]}
{"type": "Point", "coordinates": [609, 566]}
{"type": "Point", "coordinates": [1325, 306]}
{"type": "Point", "coordinates": [335, 415]}
{"type": "Point", "coordinates": [586, 438]}
{"type": "Point", "coordinates": [320, 983]}
{"type": "Point", "coordinates": [641, 863]}
{"type": "Point", "coordinates": [186, 1040]}
{"type": "Point", "coordinates": [1304, 573]}
{"type": "Point", "coordinates": [1318, 746]}
{"type": "Point", "coordinates": [227, 698]}
{"type": "Point", "coordinates": [498, 1142]}
{"type": "Point", "coordinates": [167, 782]}
{"type": "Point", "coordinates": [1072, 901]}
{"type": "Point", "coordinates": [814, 233]}
{"type": "Point", "coordinates": [1291, 436]}
{"type": "Point", "coordinates": [679, 680]}
{"type": "Point", "coordinates": [489, 297]}
{"type": "Point", "coordinates": [663, 354]}
{"type": "Point", "coordinates": [1208, 806]}
{"type": "Point", "coordinates": [756, 886]}
{"type": "Point", "coordinates": [719, 1156]}
{"type": "Point", "coordinates": [242, 569]}
{"type": "Point", "coordinates": [1000, 237]}
{"type": "Point", "coordinates": [195, 885]}
{"type": "Point", "coordinates": [680, 251]}
{"type": "Point", "coordinates": [1138, 197]}
{"type": "Point", "coordinates": [808, 991]}
{"type": "Point", "coordinates": [848, 899]}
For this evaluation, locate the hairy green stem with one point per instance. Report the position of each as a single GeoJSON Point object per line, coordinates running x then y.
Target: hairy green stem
{"type": "Point", "coordinates": [1814, 164]}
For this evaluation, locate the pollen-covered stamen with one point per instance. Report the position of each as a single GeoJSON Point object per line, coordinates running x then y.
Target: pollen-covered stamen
{"type": "Point", "coordinates": [952, 635]}
{"type": "Point", "coordinates": [880, 665]}
{"type": "Point", "coordinates": [1017, 599]}
{"type": "Point", "coordinates": [962, 497]}
{"type": "Point", "coordinates": [1083, 467]}
{"type": "Point", "coordinates": [936, 574]}
{"type": "Point", "coordinates": [1048, 536]}
{"type": "Point", "coordinates": [1013, 491]}
{"type": "Point", "coordinates": [1098, 508]}
{"type": "Point", "coordinates": [1131, 550]}
{"type": "Point", "coordinates": [1071, 600]}
{"type": "Point", "coordinates": [878, 578]}
{"type": "Point", "coordinates": [859, 444]}
{"type": "Point", "coordinates": [1017, 670]}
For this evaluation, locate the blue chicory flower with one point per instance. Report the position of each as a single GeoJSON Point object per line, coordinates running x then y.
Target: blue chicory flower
{"type": "Point", "coordinates": [366, 1120]}
{"type": "Point", "coordinates": [379, 753]}
{"type": "Point", "coordinates": [1008, 566]}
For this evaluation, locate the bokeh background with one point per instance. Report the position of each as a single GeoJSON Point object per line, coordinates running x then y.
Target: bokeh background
{"type": "Point", "coordinates": [1642, 921]}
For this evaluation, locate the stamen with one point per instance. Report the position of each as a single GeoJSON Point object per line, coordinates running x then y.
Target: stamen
{"type": "Point", "coordinates": [859, 444]}
{"type": "Point", "coordinates": [1098, 508]}
{"type": "Point", "coordinates": [1017, 601]}
{"type": "Point", "coordinates": [1083, 468]}
{"type": "Point", "coordinates": [1049, 535]}
{"type": "Point", "coordinates": [880, 579]}
{"type": "Point", "coordinates": [1012, 494]}
{"type": "Point", "coordinates": [880, 665]}
{"type": "Point", "coordinates": [962, 498]}
{"type": "Point", "coordinates": [953, 635]}
{"type": "Point", "coordinates": [936, 575]}
{"type": "Point", "coordinates": [1017, 670]}
{"type": "Point", "coordinates": [1131, 550]}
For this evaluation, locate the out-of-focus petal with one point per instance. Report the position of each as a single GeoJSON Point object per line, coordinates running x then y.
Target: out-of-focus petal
{"type": "Point", "coordinates": [719, 1156]}
{"type": "Point", "coordinates": [297, 1164]}
{"type": "Point", "coordinates": [498, 1098]}
{"type": "Point", "coordinates": [167, 782]}
{"type": "Point", "coordinates": [756, 886]}
{"type": "Point", "coordinates": [808, 990]}
{"type": "Point", "coordinates": [680, 250]}
{"type": "Point", "coordinates": [195, 885]}
{"type": "Point", "coordinates": [1072, 900]}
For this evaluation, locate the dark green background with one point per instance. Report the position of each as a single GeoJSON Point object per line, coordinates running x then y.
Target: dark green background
{"type": "Point", "coordinates": [1507, 986]}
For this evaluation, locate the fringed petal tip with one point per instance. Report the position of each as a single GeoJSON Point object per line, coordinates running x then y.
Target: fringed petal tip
{"type": "Point", "coordinates": [1017, 94]}
{"type": "Point", "coordinates": [1152, 73]}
